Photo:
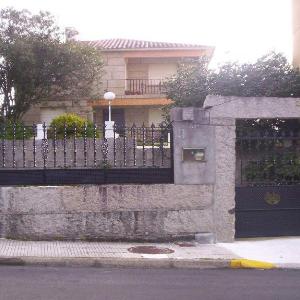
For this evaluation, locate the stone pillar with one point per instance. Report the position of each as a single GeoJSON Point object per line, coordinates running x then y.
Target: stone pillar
{"type": "Point", "coordinates": [194, 131]}
{"type": "Point", "coordinates": [224, 187]}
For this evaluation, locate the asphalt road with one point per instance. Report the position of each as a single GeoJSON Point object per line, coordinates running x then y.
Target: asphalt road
{"type": "Point", "coordinates": [32, 283]}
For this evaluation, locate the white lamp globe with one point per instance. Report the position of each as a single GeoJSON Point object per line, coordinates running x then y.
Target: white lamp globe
{"type": "Point", "coordinates": [109, 96]}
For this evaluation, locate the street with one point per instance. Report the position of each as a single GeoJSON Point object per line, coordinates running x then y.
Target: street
{"type": "Point", "coordinates": [168, 284]}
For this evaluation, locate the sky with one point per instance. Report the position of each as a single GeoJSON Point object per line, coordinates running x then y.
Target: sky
{"type": "Point", "coordinates": [241, 30]}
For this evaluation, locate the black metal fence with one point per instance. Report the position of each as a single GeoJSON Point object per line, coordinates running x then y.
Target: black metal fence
{"type": "Point", "coordinates": [268, 157]}
{"type": "Point", "coordinates": [70, 154]}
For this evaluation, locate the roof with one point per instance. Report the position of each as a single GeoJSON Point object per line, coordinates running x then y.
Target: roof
{"type": "Point", "coordinates": [125, 44]}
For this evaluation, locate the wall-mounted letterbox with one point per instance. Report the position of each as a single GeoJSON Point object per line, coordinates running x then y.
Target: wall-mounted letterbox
{"type": "Point", "coordinates": [193, 154]}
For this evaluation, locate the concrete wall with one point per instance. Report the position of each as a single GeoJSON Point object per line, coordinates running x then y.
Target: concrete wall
{"type": "Point", "coordinates": [107, 212]}
{"type": "Point", "coordinates": [222, 109]}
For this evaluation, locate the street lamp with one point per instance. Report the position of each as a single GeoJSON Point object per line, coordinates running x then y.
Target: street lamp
{"type": "Point", "coordinates": [109, 96]}
{"type": "Point", "coordinates": [109, 125]}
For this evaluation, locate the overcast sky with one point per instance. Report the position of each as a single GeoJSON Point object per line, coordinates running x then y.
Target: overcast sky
{"type": "Point", "coordinates": [240, 29]}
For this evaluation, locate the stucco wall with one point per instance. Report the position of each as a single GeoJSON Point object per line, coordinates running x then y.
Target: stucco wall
{"type": "Point", "coordinates": [155, 116]}
{"type": "Point", "coordinates": [110, 212]}
{"type": "Point", "coordinates": [137, 116]}
{"type": "Point", "coordinates": [81, 108]}
{"type": "Point", "coordinates": [151, 68]}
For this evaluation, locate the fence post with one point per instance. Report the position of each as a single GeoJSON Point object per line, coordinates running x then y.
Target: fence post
{"type": "Point", "coordinates": [40, 132]}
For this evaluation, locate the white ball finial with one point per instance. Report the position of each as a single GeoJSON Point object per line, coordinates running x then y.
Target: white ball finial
{"type": "Point", "coordinates": [109, 96]}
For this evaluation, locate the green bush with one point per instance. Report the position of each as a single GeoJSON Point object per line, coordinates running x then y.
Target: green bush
{"type": "Point", "coordinates": [7, 131]}
{"type": "Point", "coordinates": [285, 168]}
{"type": "Point", "coordinates": [68, 122]}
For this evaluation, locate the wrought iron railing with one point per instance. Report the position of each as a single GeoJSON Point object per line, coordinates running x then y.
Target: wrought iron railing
{"type": "Point", "coordinates": [144, 86]}
{"type": "Point", "coordinates": [93, 147]}
{"type": "Point", "coordinates": [91, 154]}
{"type": "Point", "coordinates": [268, 157]}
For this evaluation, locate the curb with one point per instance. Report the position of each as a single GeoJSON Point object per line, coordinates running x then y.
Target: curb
{"type": "Point", "coordinates": [251, 264]}
{"type": "Point", "coordinates": [116, 262]}
{"type": "Point", "coordinates": [109, 262]}
{"type": "Point", "coordinates": [290, 266]}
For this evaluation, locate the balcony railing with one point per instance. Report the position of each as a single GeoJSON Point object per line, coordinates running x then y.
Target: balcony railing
{"type": "Point", "coordinates": [144, 86]}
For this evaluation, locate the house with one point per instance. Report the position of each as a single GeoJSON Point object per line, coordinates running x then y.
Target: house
{"type": "Point", "coordinates": [135, 71]}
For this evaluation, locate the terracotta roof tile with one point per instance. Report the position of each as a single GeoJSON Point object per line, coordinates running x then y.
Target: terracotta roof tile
{"type": "Point", "coordinates": [124, 44]}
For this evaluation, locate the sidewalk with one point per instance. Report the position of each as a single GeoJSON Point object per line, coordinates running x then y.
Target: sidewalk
{"type": "Point", "coordinates": [283, 252]}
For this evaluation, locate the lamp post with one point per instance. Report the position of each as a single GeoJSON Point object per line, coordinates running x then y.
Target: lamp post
{"type": "Point", "coordinates": [109, 125]}
{"type": "Point", "coordinates": [109, 96]}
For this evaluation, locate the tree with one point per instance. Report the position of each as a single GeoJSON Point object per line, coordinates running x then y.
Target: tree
{"type": "Point", "coordinates": [36, 65]}
{"type": "Point", "coordinates": [271, 75]}
{"type": "Point", "coordinates": [190, 85]}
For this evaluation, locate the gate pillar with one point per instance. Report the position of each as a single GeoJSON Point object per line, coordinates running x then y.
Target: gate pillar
{"type": "Point", "coordinates": [204, 154]}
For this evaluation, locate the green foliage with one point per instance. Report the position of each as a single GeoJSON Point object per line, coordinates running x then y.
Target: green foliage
{"type": "Point", "coordinates": [70, 121]}
{"type": "Point", "coordinates": [36, 65]}
{"type": "Point", "coordinates": [189, 87]}
{"type": "Point", "coordinates": [284, 169]}
{"type": "Point", "coordinates": [271, 75]}
{"type": "Point", "coordinates": [21, 131]}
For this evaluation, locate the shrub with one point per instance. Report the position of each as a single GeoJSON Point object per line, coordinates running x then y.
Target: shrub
{"type": "Point", "coordinates": [7, 131]}
{"type": "Point", "coordinates": [70, 121]}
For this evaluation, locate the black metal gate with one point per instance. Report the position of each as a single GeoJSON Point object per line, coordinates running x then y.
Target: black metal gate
{"type": "Point", "coordinates": [268, 183]}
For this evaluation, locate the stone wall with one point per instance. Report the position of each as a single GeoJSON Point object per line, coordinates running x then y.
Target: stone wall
{"type": "Point", "coordinates": [114, 73]}
{"type": "Point", "coordinates": [106, 212]}
{"type": "Point", "coordinates": [201, 200]}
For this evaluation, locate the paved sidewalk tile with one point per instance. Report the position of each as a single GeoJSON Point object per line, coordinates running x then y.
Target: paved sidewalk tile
{"type": "Point", "coordinates": [61, 249]}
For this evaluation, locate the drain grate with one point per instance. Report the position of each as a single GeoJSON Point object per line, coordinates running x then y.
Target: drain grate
{"type": "Point", "coordinates": [150, 250]}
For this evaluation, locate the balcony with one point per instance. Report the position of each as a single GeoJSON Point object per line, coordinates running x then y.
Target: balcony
{"type": "Point", "coordinates": [144, 87]}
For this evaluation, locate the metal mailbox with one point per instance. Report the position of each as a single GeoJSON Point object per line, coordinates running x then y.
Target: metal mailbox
{"type": "Point", "coordinates": [193, 154]}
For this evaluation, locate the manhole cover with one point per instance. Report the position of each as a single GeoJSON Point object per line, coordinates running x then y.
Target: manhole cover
{"type": "Point", "coordinates": [150, 250]}
{"type": "Point", "coordinates": [184, 244]}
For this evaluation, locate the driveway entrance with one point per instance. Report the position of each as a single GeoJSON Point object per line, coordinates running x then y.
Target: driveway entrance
{"type": "Point", "coordinates": [268, 182]}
